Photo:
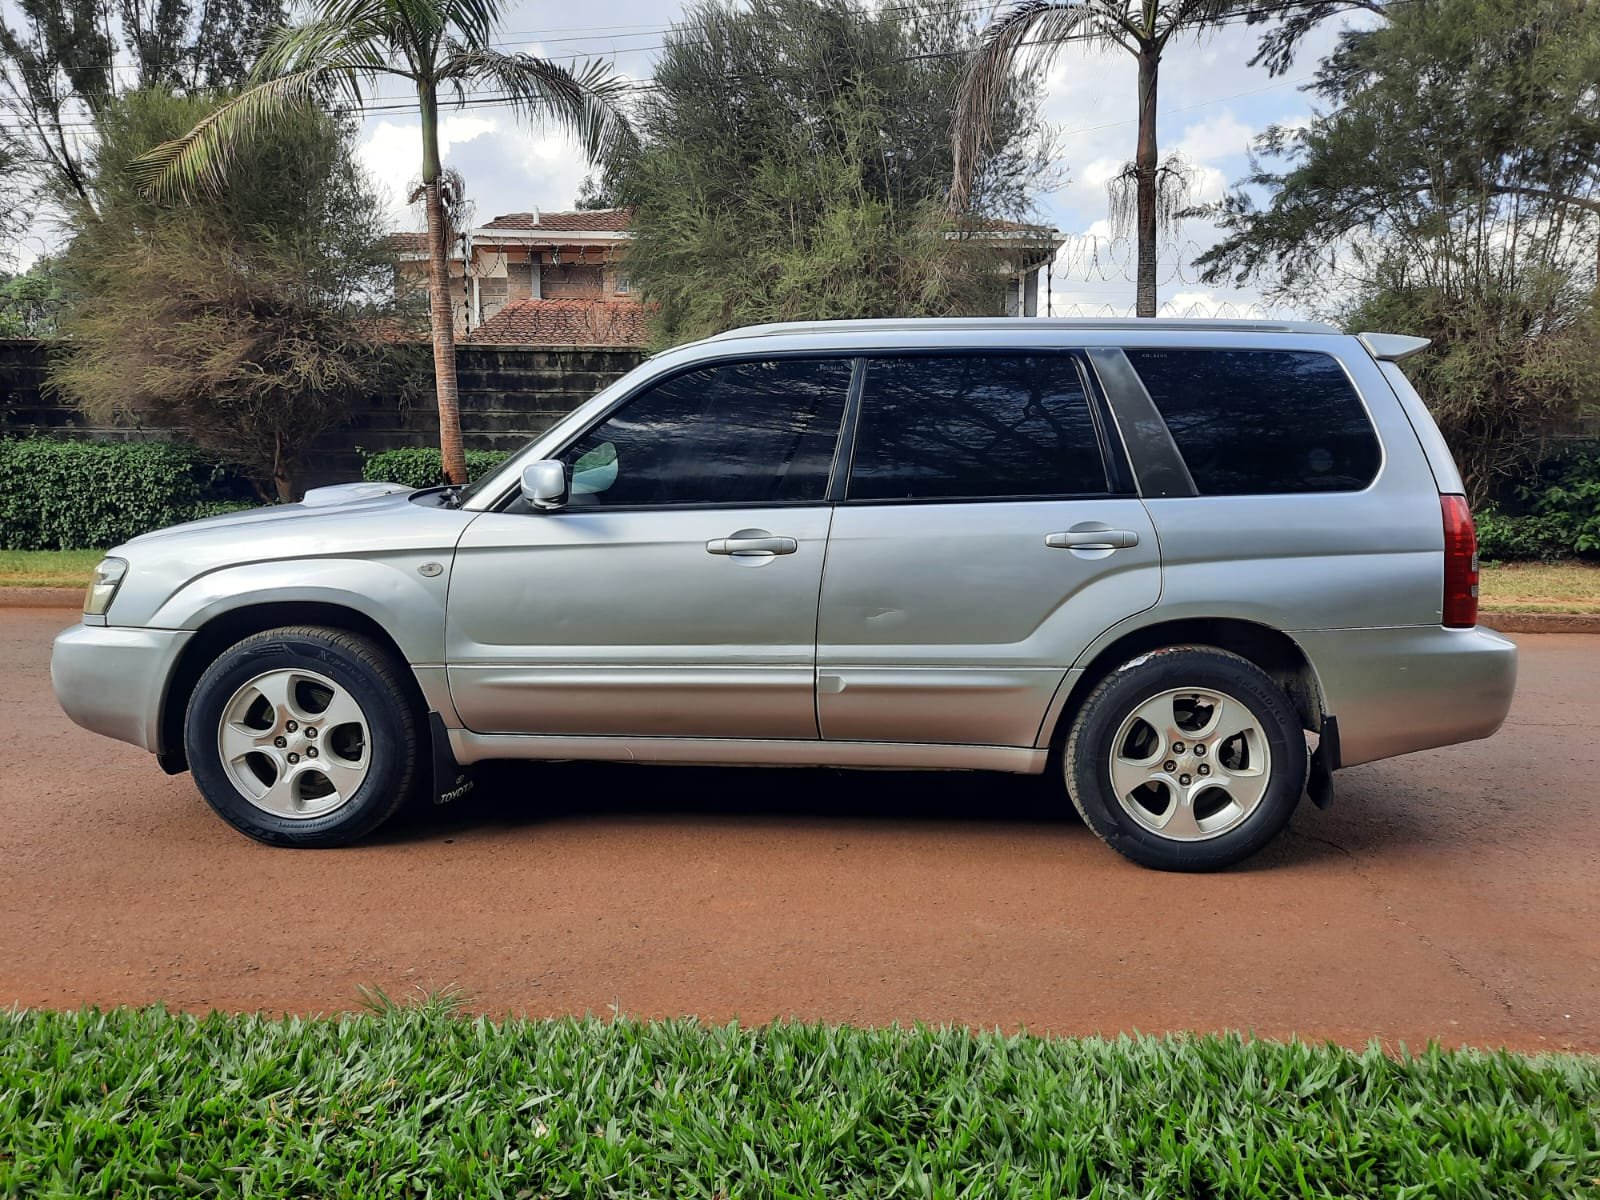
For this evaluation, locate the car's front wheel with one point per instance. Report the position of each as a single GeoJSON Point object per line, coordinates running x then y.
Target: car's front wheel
{"type": "Point", "coordinates": [303, 736]}
{"type": "Point", "coordinates": [1186, 759]}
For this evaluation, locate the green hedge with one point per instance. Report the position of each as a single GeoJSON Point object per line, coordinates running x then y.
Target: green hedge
{"type": "Point", "coordinates": [420, 468]}
{"type": "Point", "coordinates": [1553, 514]}
{"type": "Point", "coordinates": [58, 495]}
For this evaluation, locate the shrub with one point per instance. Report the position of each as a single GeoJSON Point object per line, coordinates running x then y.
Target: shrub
{"type": "Point", "coordinates": [89, 495]}
{"type": "Point", "coordinates": [1554, 514]}
{"type": "Point", "coordinates": [419, 467]}
{"type": "Point", "coordinates": [1503, 538]}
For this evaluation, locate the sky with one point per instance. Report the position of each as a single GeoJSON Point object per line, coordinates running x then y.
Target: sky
{"type": "Point", "coordinates": [1211, 105]}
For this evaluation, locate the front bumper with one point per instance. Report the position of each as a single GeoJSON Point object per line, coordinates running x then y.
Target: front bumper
{"type": "Point", "coordinates": [113, 679]}
{"type": "Point", "coordinates": [1411, 688]}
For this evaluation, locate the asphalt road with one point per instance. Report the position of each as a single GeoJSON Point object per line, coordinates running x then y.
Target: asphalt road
{"type": "Point", "coordinates": [1453, 894]}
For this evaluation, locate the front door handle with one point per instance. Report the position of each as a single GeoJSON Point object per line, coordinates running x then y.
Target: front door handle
{"type": "Point", "coordinates": [1092, 539]}
{"type": "Point", "coordinates": [752, 542]}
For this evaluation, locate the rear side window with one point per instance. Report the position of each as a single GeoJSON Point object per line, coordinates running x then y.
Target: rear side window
{"type": "Point", "coordinates": [975, 426]}
{"type": "Point", "coordinates": [1254, 422]}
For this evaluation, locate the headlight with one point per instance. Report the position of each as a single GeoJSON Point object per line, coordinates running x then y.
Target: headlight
{"type": "Point", "coordinates": [107, 579]}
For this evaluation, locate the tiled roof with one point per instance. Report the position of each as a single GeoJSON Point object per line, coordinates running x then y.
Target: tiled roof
{"type": "Point", "coordinates": [403, 242]}
{"type": "Point", "coordinates": [564, 323]}
{"type": "Point", "coordinates": [613, 220]}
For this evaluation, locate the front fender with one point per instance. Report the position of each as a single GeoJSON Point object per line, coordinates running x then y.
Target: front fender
{"type": "Point", "coordinates": [393, 592]}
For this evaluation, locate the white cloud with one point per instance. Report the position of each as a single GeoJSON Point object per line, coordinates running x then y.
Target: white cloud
{"type": "Point", "coordinates": [1219, 136]}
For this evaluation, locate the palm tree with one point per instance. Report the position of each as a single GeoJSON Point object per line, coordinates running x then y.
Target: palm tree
{"type": "Point", "coordinates": [438, 47]}
{"type": "Point", "coordinates": [1034, 32]}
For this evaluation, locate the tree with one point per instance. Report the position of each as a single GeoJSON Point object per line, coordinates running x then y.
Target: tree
{"type": "Point", "coordinates": [1033, 33]}
{"type": "Point", "coordinates": [792, 162]}
{"type": "Point", "coordinates": [249, 320]}
{"type": "Point", "coordinates": [32, 302]}
{"type": "Point", "coordinates": [1451, 190]}
{"type": "Point", "coordinates": [65, 60]}
{"type": "Point", "coordinates": [436, 47]}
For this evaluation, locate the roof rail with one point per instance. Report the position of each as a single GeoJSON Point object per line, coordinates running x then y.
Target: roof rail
{"type": "Point", "coordinates": [915, 324]}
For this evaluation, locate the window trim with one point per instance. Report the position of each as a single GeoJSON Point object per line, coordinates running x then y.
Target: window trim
{"type": "Point", "coordinates": [514, 493]}
{"type": "Point", "coordinates": [1120, 483]}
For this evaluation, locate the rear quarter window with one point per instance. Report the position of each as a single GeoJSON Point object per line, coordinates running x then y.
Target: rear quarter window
{"type": "Point", "coordinates": [1259, 422]}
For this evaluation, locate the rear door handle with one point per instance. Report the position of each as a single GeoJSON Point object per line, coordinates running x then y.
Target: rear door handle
{"type": "Point", "coordinates": [1092, 539]}
{"type": "Point", "coordinates": [751, 543]}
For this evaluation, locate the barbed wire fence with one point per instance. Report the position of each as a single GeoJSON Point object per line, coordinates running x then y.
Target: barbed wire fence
{"type": "Point", "coordinates": [1092, 261]}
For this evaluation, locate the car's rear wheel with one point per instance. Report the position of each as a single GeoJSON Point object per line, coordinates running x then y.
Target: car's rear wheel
{"type": "Point", "coordinates": [1186, 759]}
{"type": "Point", "coordinates": [303, 736]}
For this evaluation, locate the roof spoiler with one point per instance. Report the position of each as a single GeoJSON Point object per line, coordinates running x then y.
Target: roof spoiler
{"type": "Point", "coordinates": [1393, 347]}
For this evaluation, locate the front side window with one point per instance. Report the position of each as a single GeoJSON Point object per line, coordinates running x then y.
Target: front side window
{"type": "Point", "coordinates": [1258, 422]}
{"type": "Point", "coordinates": [975, 426]}
{"type": "Point", "coordinates": [735, 433]}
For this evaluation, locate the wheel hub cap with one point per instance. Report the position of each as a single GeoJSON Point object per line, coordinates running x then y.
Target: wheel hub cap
{"type": "Point", "coordinates": [294, 743]}
{"type": "Point", "coordinates": [1190, 764]}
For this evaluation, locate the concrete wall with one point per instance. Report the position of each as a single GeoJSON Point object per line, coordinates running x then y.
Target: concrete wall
{"type": "Point", "coordinates": [508, 394]}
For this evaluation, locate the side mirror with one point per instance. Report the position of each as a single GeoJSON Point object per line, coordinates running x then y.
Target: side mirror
{"type": "Point", "coordinates": [544, 484]}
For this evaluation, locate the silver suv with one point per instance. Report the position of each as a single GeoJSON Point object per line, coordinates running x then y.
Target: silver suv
{"type": "Point", "coordinates": [1190, 567]}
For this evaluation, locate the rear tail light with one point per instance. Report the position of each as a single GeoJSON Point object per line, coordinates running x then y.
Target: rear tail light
{"type": "Point", "coordinates": [1460, 564]}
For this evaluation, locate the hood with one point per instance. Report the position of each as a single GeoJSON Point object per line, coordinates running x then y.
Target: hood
{"type": "Point", "coordinates": [345, 498]}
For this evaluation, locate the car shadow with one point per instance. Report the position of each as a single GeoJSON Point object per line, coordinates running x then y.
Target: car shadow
{"type": "Point", "coordinates": [524, 794]}
{"type": "Point", "coordinates": [1359, 827]}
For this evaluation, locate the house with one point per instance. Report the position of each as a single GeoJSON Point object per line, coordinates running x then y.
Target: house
{"type": "Point", "coordinates": [561, 278]}
{"type": "Point", "coordinates": [538, 278]}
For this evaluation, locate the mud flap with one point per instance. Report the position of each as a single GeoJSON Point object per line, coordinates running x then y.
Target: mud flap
{"type": "Point", "coordinates": [1324, 762]}
{"type": "Point", "coordinates": [451, 780]}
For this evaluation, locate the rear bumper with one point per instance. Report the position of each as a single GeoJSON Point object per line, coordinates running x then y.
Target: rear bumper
{"type": "Point", "coordinates": [1411, 688]}
{"type": "Point", "coordinates": [113, 679]}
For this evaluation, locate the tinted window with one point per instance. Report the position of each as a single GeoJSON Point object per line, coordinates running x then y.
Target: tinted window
{"type": "Point", "coordinates": [1249, 422]}
{"type": "Point", "coordinates": [739, 433]}
{"type": "Point", "coordinates": [975, 426]}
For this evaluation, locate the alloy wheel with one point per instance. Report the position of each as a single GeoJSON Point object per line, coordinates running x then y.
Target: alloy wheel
{"type": "Point", "coordinates": [295, 743]}
{"type": "Point", "coordinates": [1190, 764]}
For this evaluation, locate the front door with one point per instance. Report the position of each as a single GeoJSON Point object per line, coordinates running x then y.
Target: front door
{"type": "Point", "coordinates": [676, 594]}
{"type": "Point", "coordinates": [980, 549]}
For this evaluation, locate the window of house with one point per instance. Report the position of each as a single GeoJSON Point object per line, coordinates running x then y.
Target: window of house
{"type": "Point", "coordinates": [1255, 422]}
{"type": "Point", "coordinates": [975, 426]}
{"type": "Point", "coordinates": [623, 284]}
{"type": "Point", "coordinates": [736, 433]}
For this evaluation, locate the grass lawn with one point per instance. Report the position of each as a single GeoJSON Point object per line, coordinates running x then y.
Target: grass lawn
{"type": "Point", "coordinates": [47, 568]}
{"type": "Point", "coordinates": [419, 1101]}
{"type": "Point", "coordinates": [1541, 587]}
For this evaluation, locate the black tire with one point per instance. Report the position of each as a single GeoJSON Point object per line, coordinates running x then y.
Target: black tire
{"type": "Point", "coordinates": [390, 748]}
{"type": "Point", "coordinates": [1087, 759]}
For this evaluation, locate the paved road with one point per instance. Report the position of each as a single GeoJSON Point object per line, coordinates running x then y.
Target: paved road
{"type": "Point", "coordinates": [1453, 894]}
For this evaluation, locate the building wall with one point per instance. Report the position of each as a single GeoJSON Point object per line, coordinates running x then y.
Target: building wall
{"type": "Point", "coordinates": [508, 394]}
{"type": "Point", "coordinates": [505, 272]}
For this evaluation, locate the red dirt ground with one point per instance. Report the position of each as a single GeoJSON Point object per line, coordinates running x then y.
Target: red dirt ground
{"type": "Point", "coordinates": [1452, 895]}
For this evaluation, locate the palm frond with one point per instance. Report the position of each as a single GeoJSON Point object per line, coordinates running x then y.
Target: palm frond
{"type": "Point", "coordinates": [475, 20]}
{"type": "Point", "coordinates": [1022, 40]}
{"type": "Point", "coordinates": [354, 40]}
{"type": "Point", "coordinates": [585, 101]}
{"type": "Point", "coordinates": [199, 159]}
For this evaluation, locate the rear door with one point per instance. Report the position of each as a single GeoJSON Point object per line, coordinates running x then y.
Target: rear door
{"type": "Point", "coordinates": [987, 534]}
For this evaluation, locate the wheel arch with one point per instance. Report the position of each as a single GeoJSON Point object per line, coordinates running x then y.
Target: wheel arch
{"type": "Point", "coordinates": [1274, 651]}
{"type": "Point", "coordinates": [234, 625]}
